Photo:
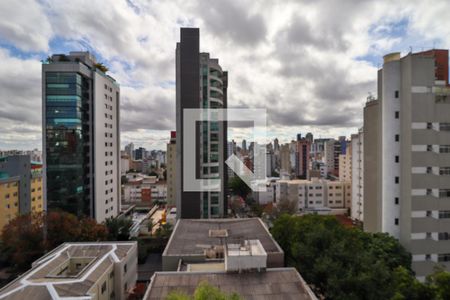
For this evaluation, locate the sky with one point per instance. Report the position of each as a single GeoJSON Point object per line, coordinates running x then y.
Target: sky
{"type": "Point", "coordinates": [310, 63]}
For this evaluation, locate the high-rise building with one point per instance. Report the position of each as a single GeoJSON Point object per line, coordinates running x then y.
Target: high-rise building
{"type": "Point", "coordinates": [285, 158]}
{"type": "Point", "coordinates": [81, 136]}
{"type": "Point", "coordinates": [413, 163]}
{"type": "Point", "coordinates": [302, 159]}
{"type": "Point", "coordinates": [20, 187]}
{"type": "Point", "coordinates": [139, 153]}
{"type": "Point", "coordinates": [171, 169]}
{"type": "Point", "coordinates": [309, 136]}
{"type": "Point", "coordinates": [345, 165]}
{"type": "Point", "coordinates": [244, 145]}
{"type": "Point", "coordinates": [129, 149]}
{"type": "Point", "coordinates": [357, 153]}
{"type": "Point", "coordinates": [200, 84]}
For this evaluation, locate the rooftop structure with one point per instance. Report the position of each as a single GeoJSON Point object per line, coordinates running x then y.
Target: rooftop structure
{"type": "Point", "coordinates": [193, 241]}
{"type": "Point", "coordinates": [278, 283]}
{"type": "Point", "coordinates": [102, 270]}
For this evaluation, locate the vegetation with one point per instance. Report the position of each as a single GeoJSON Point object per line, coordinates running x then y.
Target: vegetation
{"type": "Point", "coordinates": [204, 291]}
{"type": "Point", "coordinates": [101, 67]}
{"type": "Point", "coordinates": [28, 237]}
{"type": "Point", "coordinates": [239, 187]}
{"type": "Point", "coordinates": [119, 229]}
{"type": "Point", "coordinates": [347, 263]}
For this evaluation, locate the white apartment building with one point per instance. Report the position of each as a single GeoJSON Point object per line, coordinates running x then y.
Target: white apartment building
{"type": "Point", "coordinates": [357, 207]}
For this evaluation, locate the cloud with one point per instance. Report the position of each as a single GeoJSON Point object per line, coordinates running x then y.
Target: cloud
{"type": "Point", "coordinates": [24, 25]}
{"type": "Point", "coordinates": [309, 63]}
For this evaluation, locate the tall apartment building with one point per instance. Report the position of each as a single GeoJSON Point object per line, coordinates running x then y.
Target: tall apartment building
{"type": "Point", "coordinates": [285, 159]}
{"type": "Point", "coordinates": [200, 83]}
{"type": "Point", "coordinates": [345, 165]}
{"type": "Point", "coordinates": [81, 136]}
{"type": "Point", "coordinates": [302, 160]}
{"type": "Point", "coordinates": [21, 190]}
{"type": "Point", "coordinates": [171, 169]}
{"type": "Point", "coordinates": [328, 155]}
{"type": "Point", "coordinates": [414, 161]}
{"type": "Point", "coordinates": [357, 152]}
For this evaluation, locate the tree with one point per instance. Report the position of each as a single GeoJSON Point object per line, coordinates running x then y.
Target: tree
{"type": "Point", "coordinates": [239, 187]}
{"type": "Point", "coordinates": [204, 291]}
{"type": "Point", "coordinates": [28, 237]}
{"type": "Point", "coordinates": [339, 262]}
{"type": "Point", "coordinates": [119, 229]}
{"type": "Point", "coordinates": [439, 281]}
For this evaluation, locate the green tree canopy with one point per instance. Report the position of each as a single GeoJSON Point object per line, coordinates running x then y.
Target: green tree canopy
{"type": "Point", "coordinates": [239, 187]}
{"type": "Point", "coordinates": [204, 291]}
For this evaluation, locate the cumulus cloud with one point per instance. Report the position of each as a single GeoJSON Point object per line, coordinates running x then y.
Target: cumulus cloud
{"type": "Point", "coordinates": [311, 64]}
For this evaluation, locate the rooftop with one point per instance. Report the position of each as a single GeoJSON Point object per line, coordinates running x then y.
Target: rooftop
{"type": "Point", "coordinates": [278, 283]}
{"type": "Point", "coordinates": [70, 270]}
{"type": "Point", "coordinates": [190, 236]}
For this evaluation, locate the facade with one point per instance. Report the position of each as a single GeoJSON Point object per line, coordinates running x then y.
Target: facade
{"type": "Point", "coordinates": [171, 169]}
{"type": "Point", "coordinates": [97, 271]}
{"type": "Point", "coordinates": [357, 150]}
{"type": "Point", "coordinates": [414, 161]}
{"type": "Point", "coordinates": [285, 159]}
{"type": "Point", "coordinates": [314, 194]}
{"type": "Point", "coordinates": [200, 83]}
{"type": "Point", "coordinates": [328, 155]}
{"type": "Point", "coordinates": [81, 137]}
{"type": "Point", "coordinates": [21, 189]}
{"type": "Point", "coordinates": [345, 165]}
{"type": "Point", "coordinates": [302, 159]}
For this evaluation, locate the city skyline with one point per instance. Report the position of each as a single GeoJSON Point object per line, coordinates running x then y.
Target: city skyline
{"type": "Point", "coordinates": [335, 59]}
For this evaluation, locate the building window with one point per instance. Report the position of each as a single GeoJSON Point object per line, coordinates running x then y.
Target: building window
{"type": "Point", "coordinates": [397, 158]}
{"type": "Point", "coordinates": [444, 126]}
{"type": "Point", "coordinates": [396, 200]}
{"type": "Point", "coordinates": [125, 269]}
{"type": "Point", "coordinates": [396, 94]}
{"type": "Point", "coordinates": [444, 214]}
{"type": "Point", "coordinates": [397, 179]}
{"type": "Point", "coordinates": [397, 114]}
{"type": "Point", "coordinates": [103, 287]}
{"type": "Point", "coordinates": [396, 221]}
{"type": "Point", "coordinates": [397, 137]}
{"type": "Point", "coordinates": [444, 171]}
{"type": "Point", "coordinates": [443, 257]}
{"type": "Point", "coordinates": [444, 193]}
{"type": "Point", "coordinates": [444, 149]}
{"type": "Point", "coordinates": [428, 257]}
{"type": "Point", "coordinates": [443, 236]}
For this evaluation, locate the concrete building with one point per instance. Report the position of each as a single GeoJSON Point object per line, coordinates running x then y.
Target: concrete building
{"type": "Point", "coordinates": [285, 158]}
{"type": "Point", "coordinates": [345, 165]}
{"type": "Point", "coordinates": [124, 162]}
{"type": "Point", "coordinates": [302, 159]}
{"type": "Point", "coordinates": [200, 83]}
{"type": "Point", "coordinates": [171, 169]}
{"type": "Point", "coordinates": [414, 143]}
{"type": "Point", "coordinates": [357, 207]}
{"type": "Point", "coordinates": [104, 270]}
{"type": "Point", "coordinates": [21, 189]}
{"type": "Point", "coordinates": [129, 149]}
{"type": "Point", "coordinates": [231, 254]}
{"type": "Point", "coordinates": [314, 194]}
{"type": "Point", "coordinates": [328, 155]}
{"type": "Point", "coordinates": [81, 136]}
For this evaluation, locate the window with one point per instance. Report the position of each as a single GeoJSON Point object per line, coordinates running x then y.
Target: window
{"type": "Point", "coordinates": [428, 257]}
{"type": "Point", "coordinates": [396, 94]}
{"type": "Point", "coordinates": [444, 171]}
{"type": "Point", "coordinates": [125, 268]}
{"type": "Point", "coordinates": [444, 149]}
{"type": "Point", "coordinates": [429, 125]}
{"type": "Point", "coordinates": [429, 213]}
{"type": "Point", "coordinates": [443, 257]}
{"type": "Point", "coordinates": [428, 235]}
{"type": "Point", "coordinates": [396, 200]}
{"type": "Point", "coordinates": [429, 170]}
{"type": "Point", "coordinates": [396, 221]}
{"type": "Point", "coordinates": [444, 126]}
{"type": "Point", "coordinates": [397, 137]}
{"type": "Point", "coordinates": [444, 214]}
{"type": "Point", "coordinates": [397, 158]}
{"type": "Point", "coordinates": [103, 287]}
{"type": "Point", "coordinates": [397, 179]}
{"type": "Point", "coordinates": [397, 114]}
{"type": "Point", "coordinates": [443, 236]}
{"type": "Point", "coordinates": [429, 148]}
{"type": "Point", "coordinates": [444, 193]}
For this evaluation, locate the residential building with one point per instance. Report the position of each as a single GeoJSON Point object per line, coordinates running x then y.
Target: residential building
{"type": "Point", "coordinates": [244, 145]}
{"type": "Point", "coordinates": [357, 153]}
{"type": "Point", "coordinates": [171, 169]}
{"type": "Point", "coordinates": [232, 254]}
{"type": "Point", "coordinates": [285, 158]}
{"type": "Point", "coordinates": [21, 189]}
{"type": "Point", "coordinates": [414, 120]}
{"type": "Point", "coordinates": [129, 149]}
{"type": "Point", "coordinates": [99, 270]}
{"type": "Point", "coordinates": [81, 136]}
{"type": "Point", "coordinates": [345, 165]}
{"type": "Point", "coordinates": [124, 162]}
{"type": "Point", "coordinates": [200, 84]}
{"type": "Point", "coordinates": [329, 155]}
{"type": "Point", "coordinates": [302, 159]}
